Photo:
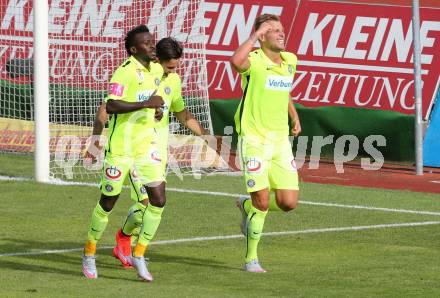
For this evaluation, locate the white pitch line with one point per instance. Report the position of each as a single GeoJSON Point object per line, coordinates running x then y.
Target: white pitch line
{"type": "Point", "coordinates": [371, 208]}
{"type": "Point", "coordinates": [10, 178]}
{"type": "Point", "coordinates": [227, 194]}
{"type": "Point", "coordinates": [227, 237]}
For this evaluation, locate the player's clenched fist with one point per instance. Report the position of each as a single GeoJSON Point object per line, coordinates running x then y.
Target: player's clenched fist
{"type": "Point", "coordinates": [155, 101]}
{"type": "Point", "coordinates": [264, 28]}
{"type": "Point", "coordinates": [158, 114]}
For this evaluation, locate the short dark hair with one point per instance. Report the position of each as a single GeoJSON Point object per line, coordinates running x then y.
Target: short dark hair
{"type": "Point", "coordinates": [131, 35]}
{"type": "Point", "coordinates": [264, 18]}
{"type": "Point", "coordinates": [168, 48]}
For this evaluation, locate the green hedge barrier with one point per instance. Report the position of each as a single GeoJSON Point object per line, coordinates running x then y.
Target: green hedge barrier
{"type": "Point", "coordinates": [397, 128]}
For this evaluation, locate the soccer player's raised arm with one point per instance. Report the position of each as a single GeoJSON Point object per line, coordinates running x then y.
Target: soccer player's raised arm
{"type": "Point", "coordinates": [240, 58]}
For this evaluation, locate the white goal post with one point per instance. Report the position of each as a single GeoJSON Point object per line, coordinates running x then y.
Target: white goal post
{"type": "Point", "coordinates": [41, 91]}
{"type": "Point", "coordinates": [66, 70]}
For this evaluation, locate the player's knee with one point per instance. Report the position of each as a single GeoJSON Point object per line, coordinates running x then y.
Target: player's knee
{"type": "Point", "coordinates": [289, 206]}
{"type": "Point", "coordinates": [156, 195]}
{"type": "Point", "coordinates": [108, 202]}
{"type": "Point", "coordinates": [158, 201]}
{"type": "Point", "coordinates": [288, 201]}
{"type": "Point", "coordinates": [262, 205]}
{"type": "Point", "coordinates": [260, 200]}
{"type": "Point", "coordinates": [157, 198]}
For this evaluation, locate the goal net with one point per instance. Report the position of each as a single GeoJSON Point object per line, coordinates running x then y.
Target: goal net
{"type": "Point", "coordinates": [85, 47]}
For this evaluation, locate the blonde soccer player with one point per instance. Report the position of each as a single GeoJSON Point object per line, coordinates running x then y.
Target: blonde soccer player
{"type": "Point", "coordinates": [262, 125]}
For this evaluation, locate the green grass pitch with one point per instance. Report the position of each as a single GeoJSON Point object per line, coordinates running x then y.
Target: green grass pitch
{"type": "Point", "coordinates": [327, 251]}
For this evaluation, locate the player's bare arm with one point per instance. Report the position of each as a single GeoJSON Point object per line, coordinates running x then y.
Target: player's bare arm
{"type": "Point", "coordinates": [294, 118]}
{"type": "Point", "coordinates": [101, 118]}
{"type": "Point", "coordinates": [240, 59]}
{"type": "Point", "coordinates": [186, 118]}
{"type": "Point", "coordinates": [121, 107]}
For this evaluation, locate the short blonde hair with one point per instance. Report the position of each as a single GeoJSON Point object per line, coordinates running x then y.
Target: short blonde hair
{"type": "Point", "coordinates": [264, 18]}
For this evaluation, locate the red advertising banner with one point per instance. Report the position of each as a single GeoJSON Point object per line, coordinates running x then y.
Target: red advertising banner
{"type": "Point", "coordinates": [231, 24]}
{"type": "Point", "coordinates": [353, 55]}
{"type": "Point", "coordinates": [86, 38]}
{"type": "Point", "coordinates": [360, 55]}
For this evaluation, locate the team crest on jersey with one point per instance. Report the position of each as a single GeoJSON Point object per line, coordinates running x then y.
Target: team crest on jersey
{"type": "Point", "coordinates": [157, 81]}
{"type": "Point", "coordinates": [250, 183]}
{"type": "Point", "coordinates": [140, 75]}
{"type": "Point", "coordinates": [290, 69]}
{"type": "Point", "coordinates": [109, 188]}
{"type": "Point", "coordinates": [254, 165]}
{"type": "Point", "coordinates": [167, 90]}
{"type": "Point", "coordinates": [112, 173]}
